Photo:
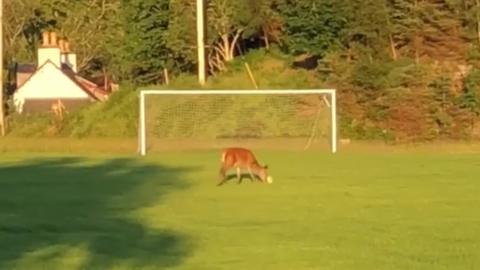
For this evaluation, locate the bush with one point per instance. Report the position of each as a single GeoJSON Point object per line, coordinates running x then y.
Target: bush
{"type": "Point", "coordinates": [117, 117]}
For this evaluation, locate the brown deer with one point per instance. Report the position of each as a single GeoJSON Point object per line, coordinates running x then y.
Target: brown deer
{"type": "Point", "coordinates": [242, 158]}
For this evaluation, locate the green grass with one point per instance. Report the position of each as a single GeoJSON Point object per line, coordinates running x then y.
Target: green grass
{"type": "Point", "coordinates": [348, 211]}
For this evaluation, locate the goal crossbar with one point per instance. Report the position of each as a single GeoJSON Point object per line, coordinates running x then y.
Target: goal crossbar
{"type": "Point", "coordinates": [144, 93]}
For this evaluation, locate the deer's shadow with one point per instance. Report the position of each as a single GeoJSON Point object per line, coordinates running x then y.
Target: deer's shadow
{"type": "Point", "coordinates": [233, 177]}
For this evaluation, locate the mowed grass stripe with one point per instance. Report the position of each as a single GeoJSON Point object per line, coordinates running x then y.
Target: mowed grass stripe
{"type": "Point", "coordinates": [323, 211]}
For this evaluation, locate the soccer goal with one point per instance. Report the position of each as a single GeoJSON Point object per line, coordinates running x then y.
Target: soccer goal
{"type": "Point", "coordinates": [224, 117]}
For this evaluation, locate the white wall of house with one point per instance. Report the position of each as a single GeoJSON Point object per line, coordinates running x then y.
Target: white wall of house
{"type": "Point", "coordinates": [48, 83]}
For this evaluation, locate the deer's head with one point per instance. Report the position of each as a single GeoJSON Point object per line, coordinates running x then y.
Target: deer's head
{"type": "Point", "coordinates": [263, 172]}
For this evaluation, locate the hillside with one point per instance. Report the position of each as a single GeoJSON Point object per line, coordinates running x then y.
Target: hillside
{"type": "Point", "coordinates": [414, 102]}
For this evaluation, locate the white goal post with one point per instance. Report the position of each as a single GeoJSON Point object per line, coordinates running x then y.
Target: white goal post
{"type": "Point", "coordinates": [144, 93]}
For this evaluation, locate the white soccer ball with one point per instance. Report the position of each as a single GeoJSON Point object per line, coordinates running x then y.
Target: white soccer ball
{"type": "Point", "coordinates": [269, 179]}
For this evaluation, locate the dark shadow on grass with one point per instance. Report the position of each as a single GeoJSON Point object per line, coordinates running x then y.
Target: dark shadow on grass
{"type": "Point", "coordinates": [50, 205]}
{"type": "Point", "coordinates": [243, 177]}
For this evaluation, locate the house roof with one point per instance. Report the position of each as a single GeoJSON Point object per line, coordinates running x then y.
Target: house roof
{"type": "Point", "coordinates": [72, 75]}
{"type": "Point", "coordinates": [65, 69]}
{"type": "Point", "coordinates": [26, 68]}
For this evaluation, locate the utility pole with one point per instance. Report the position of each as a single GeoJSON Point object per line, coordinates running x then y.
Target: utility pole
{"type": "Point", "coordinates": [202, 74]}
{"type": "Point", "coordinates": [2, 104]}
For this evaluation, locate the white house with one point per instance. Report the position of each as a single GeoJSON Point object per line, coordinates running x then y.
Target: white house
{"type": "Point", "coordinates": [54, 79]}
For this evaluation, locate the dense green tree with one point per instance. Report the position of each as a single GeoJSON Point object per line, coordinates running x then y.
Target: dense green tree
{"type": "Point", "coordinates": [311, 26]}
{"type": "Point", "coordinates": [426, 28]}
{"type": "Point", "coordinates": [181, 37]}
{"type": "Point", "coordinates": [469, 100]}
{"type": "Point", "coordinates": [367, 29]}
{"type": "Point", "coordinates": [138, 51]}
{"type": "Point", "coordinates": [468, 12]}
{"type": "Point", "coordinates": [405, 25]}
{"type": "Point", "coordinates": [441, 101]}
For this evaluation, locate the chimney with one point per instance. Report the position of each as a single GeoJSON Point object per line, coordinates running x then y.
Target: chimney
{"type": "Point", "coordinates": [45, 39]}
{"type": "Point", "coordinates": [69, 58]}
{"type": "Point", "coordinates": [49, 50]}
{"type": "Point", "coordinates": [61, 44]}
{"type": "Point", "coordinates": [67, 47]}
{"type": "Point", "coordinates": [53, 39]}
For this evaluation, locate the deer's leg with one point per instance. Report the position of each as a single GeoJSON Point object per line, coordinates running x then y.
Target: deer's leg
{"type": "Point", "coordinates": [239, 175]}
{"type": "Point", "coordinates": [223, 177]}
{"type": "Point", "coordinates": [252, 177]}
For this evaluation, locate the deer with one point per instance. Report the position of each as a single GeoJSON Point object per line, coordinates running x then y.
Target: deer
{"type": "Point", "coordinates": [242, 158]}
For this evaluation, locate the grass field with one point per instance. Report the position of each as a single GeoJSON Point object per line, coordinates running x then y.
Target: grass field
{"type": "Point", "coordinates": [349, 211]}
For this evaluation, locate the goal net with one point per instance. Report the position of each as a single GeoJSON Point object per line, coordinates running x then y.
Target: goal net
{"type": "Point", "coordinates": [210, 119]}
